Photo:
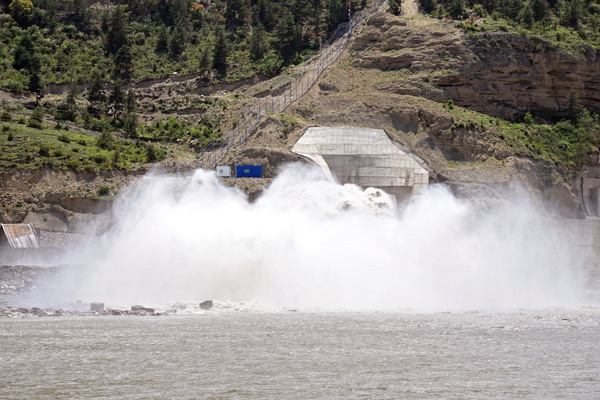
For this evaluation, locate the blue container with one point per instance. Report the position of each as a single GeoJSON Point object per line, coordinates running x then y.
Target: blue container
{"type": "Point", "coordinates": [249, 171]}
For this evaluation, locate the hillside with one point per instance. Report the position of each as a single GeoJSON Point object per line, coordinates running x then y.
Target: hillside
{"type": "Point", "coordinates": [491, 111]}
{"type": "Point", "coordinates": [397, 74]}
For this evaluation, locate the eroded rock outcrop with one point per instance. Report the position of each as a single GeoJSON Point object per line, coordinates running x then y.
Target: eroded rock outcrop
{"type": "Point", "coordinates": [500, 74]}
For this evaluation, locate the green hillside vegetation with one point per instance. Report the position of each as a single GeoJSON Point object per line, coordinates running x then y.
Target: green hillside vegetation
{"type": "Point", "coordinates": [564, 23]}
{"type": "Point", "coordinates": [110, 45]}
{"type": "Point", "coordinates": [566, 137]}
{"type": "Point", "coordinates": [51, 42]}
{"type": "Point", "coordinates": [29, 143]}
{"type": "Point", "coordinates": [567, 142]}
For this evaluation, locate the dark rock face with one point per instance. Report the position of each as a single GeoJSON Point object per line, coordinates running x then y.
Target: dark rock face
{"type": "Point", "coordinates": [139, 308]}
{"type": "Point", "coordinates": [25, 312]}
{"type": "Point", "coordinates": [206, 305]}
{"type": "Point", "coordinates": [500, 74]}
{"type": "Point", "coordinates": [515, 73]}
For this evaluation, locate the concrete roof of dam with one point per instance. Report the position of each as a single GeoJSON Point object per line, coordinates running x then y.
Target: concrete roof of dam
{"type": "Point", "coordinates": [366, 157]}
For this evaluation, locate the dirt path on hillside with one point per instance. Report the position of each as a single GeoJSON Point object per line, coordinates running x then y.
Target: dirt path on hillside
{"type": "Point", "coordinates": [410, 7]}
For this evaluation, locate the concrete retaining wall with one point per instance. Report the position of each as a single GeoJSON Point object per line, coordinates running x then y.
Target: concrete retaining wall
{"type": "Point", "coordinates": [365, 157]}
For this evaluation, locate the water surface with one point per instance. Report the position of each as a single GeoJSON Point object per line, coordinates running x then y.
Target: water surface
{"type": "Point", "coordinates": [284, 355]}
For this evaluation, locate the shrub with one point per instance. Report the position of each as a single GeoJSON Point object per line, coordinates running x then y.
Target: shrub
{"type": "Point", "coordinates": [65, 112]}
{"type": "Point", "coordinates": [116, 158]}
{"type": "Point", "coordinates": [10, 137]}
{"type": "Point", "coordinates": [73, 164]}
{"type": "Point", "coordinates": [528, 119]}
{"type": "Point", "coordinates": [44, 150]}
{"type": "Point", "coordinates": [271, 65]}
{"type": "Point", "coordinates": [34, 124]}
{"type": "Point", "coordinates": [64, 138]}
{"type": "Point", "coordinates": [98, 124]}
{"type": "Point", "coordinates": [106, 141]}
{"type": "Point", "coordinates": [150, 153]}
{"type": "Point", "coordinates": [103, 190]}
{"type": "Point", "coordinates": [5, 116]}
{"type": "Point", "coordinates": [35, 121]}
{"type": "Point", "coordinates": [99, 158]}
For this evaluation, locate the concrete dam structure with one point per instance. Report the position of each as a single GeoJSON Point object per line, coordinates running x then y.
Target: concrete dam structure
{"type": "Point", "coordinates": [364, 157]}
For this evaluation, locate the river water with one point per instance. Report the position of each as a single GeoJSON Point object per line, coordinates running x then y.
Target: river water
{"type": "Point", "coordinates": [218, 354]}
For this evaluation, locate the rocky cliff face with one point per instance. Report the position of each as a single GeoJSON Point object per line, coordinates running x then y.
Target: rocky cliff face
{"type": "Point", "coordinates": [59, 200]}
{"type": "Point", "coordinates": [514, 74]}
{"type": "Point", "coordinates": [499, 74]}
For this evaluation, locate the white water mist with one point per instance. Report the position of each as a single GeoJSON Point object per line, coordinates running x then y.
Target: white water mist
{"type": "Point", "coordinates": [309, 243]}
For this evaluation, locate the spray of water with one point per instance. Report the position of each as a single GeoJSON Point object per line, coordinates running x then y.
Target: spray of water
{"type": "Point", "coordinates": [308, 243]}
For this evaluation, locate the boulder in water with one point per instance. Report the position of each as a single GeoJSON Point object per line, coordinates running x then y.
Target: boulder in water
{"type": "Point", "coordinates": [138, 308]}
{"type": "Point", "coordinates": [206, 305]}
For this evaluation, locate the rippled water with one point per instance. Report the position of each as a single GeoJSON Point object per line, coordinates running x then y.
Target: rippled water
{"type": "Point", "coordinates": [284, 355]}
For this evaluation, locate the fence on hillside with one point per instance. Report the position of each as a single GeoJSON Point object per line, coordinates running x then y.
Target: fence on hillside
{"type": "Point", "coordinates": [290, 88]}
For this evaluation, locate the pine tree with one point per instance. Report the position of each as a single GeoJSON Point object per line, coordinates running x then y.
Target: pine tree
{"type": "Point", "coordinates": [116, 100]}
{"type": "Point", "coordinates": [457, 9]}
{"type": "Point", "coordinates": [205, 59]}
{"type": "Point", "coordinates": [162, 44]}
{"type": "Point", "coordinates": [37, 118]}
{"type": "Point", "coordinates": [512, 9]}
{"type": "Point", "coordinates": [220, 52]}
{"type": "Point", "coordinates": [26, 56]}
{"type": "Point", "coordinates": [80, 14]}
{"type": "Point", "coordinates": [235, 14]}
{"type": "Point", "coordinates": [124, 60]}
{"type": "Point", "coordinates": [257, 46]}
{"type": "Point", "coordinates": [116, 36]}
{"type": "Point", "coordinates": [131, 120]}
{"type": "Point", "coordinates": [264, 14]}
{"type": "Point", "coordinates": [36, 86]}
{"type": "Point", "coordinates": [336, 13]}
{"type": "Point", "coordinates": [177, 41]}
{"type": "Point", "coordinates": [528, 16]}
{"type": "Point", "coordinates": [285, 35]}
{"type": "Point", "coordinates": [575, 10]}
{"type": "Point", "coordinates": [96, 92]}
{"type": "Point", "coordinates": [540, 9]}
{"type": "Point", "coordinates": [70, 100]}
{"type": "Point", "coordinates": [179, 12]}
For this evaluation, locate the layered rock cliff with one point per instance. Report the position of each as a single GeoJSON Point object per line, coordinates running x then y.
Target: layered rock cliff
{"type": "Point", "coordinates": [500, 74]}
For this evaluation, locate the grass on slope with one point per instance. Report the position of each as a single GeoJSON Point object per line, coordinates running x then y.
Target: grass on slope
{"type": "Point", "coordinates": [566, 142]}
{"type": "Point", "coordinates": [25, 147]}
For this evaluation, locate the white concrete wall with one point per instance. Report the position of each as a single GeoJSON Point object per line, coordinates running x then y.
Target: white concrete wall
{"type": "Point", "coordinates": [366, 157]}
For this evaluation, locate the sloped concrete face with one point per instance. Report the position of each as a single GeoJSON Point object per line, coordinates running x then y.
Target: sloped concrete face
{"type": "Point", "coordinates": [365, 157]}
